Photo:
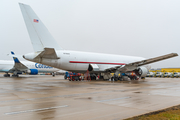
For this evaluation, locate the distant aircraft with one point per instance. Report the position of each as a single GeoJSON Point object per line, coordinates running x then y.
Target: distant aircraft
{"type": "Point", "coordinates": [16, 67]}
{"type": "Point", "coordinates": [48, 52]}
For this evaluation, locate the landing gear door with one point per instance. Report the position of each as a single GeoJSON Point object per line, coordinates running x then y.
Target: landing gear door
{"type": "Point", "coordinates": [93, 67]}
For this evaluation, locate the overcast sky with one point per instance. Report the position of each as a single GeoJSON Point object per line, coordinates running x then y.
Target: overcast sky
{"type": "Point", "coordinates": [145, 28]}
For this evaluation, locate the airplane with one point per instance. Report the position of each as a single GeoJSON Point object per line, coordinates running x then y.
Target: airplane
{"type": "Point", "coordinates": [48, 52]}
{"type": "Point", "coordinates": [16, 67]}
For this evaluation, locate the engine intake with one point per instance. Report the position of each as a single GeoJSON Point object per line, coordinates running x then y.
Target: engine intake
{"type": "Point", "coordinates": [141, 71]}
{"type": "Point", "coordinates": [32, 71]}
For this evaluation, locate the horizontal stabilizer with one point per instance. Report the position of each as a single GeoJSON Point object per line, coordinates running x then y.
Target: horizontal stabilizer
{"type": "Point", "coordinates": [48, 53]}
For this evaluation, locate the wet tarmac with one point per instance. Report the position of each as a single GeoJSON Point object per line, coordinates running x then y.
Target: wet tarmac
{"type": "Point", "coordinates": [53, 98]}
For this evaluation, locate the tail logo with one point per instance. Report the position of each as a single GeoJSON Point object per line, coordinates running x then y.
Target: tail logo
{"type": "Point", "coordinates": [36, 20]}
{"type": "Point", "coordinates": [16, 60]}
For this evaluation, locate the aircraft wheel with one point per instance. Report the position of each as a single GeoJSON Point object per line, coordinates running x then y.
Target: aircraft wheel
{"type": "Point", "coordinates": [15, 75]}
{"type": "Point", "coordinates": [6, 75]}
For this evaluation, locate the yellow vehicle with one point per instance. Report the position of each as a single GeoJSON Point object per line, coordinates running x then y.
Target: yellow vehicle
{"type": "Point", "coordinates": [174, 71]}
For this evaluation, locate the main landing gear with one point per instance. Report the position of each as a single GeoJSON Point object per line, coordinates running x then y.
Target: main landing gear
{"type": "Point", "coordinates": [53, 74]}
{"type": "Point", "coordinates": [15, 75]}
{"type": "Point", "coordinates": [6, 75]}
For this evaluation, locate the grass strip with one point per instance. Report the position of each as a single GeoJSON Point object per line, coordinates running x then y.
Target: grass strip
{"type": "Point", "coordinates": [172, 113]}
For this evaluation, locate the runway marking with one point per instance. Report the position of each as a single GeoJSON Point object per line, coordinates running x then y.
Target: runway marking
{"type": "Point", "coordinates": [113, 99]}
{"type": "Point", "coordinates": [34, 110]}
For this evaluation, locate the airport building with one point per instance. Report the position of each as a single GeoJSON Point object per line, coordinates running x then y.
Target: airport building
{"type": "Point", "coordinates": [165, 70]}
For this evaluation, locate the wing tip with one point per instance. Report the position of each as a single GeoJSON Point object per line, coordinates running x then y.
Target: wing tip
{"type": "Point", "coordinates": [175, 54]}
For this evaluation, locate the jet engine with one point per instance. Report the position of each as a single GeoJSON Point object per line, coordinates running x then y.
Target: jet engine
{"type": "Point", "coordinates": [141, 71]}
{"type": "Point", "coordinates": [32, 71]}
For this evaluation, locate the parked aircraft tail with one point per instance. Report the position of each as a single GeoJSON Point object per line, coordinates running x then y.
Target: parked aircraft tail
{"type": "Point", "coordinates": [39, 34]}
{"type": "Point", "coordinates": [17, 64]}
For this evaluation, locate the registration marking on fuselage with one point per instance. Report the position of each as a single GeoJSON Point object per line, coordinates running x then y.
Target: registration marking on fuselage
{"type": "Point", "coordinates": [34, 110]}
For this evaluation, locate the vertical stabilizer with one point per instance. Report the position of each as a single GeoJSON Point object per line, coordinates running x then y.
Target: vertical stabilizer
{"type": "Point", "coordinates": [39, 34]}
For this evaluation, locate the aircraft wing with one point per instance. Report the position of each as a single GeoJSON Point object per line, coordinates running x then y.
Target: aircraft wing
{"type": "Point", "coordinates": [4, 70]}
{"type": "Point", "coordinates": [134, 65]}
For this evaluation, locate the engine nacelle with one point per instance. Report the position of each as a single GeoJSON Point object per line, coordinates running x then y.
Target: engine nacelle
{"type": "Point", "coordinates": [141, 71]}
{"type": "Point", "coordinates": [32, 71]}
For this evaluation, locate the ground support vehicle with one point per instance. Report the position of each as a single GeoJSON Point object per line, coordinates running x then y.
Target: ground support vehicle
{"type": "Point", "coordinates": [176, 75]}
{"type": "Point", "coordinates": [78, 76]}
{"type": "Point", "coordinates": [75, 77]}
{"type": "Point", "coordinates": [150, 74]}
{"type": "Point", "coordinates": [159, 74]}
{"type": "Point", "coordinates": [167, 74]}
{"type": "Point", "coordinates": [67, 75]}
{"type": "Point", "coordinates": [116, 77]}
{"type": "Point", "coordinates": [132, 76]}
{"type": "Point", "coordinates": [124, 77]}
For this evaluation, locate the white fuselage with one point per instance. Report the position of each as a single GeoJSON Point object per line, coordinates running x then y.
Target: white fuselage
{"type": "Point", "coordinates": [6, 65]}
{"type": "Point", "coordinates": [76, 61]}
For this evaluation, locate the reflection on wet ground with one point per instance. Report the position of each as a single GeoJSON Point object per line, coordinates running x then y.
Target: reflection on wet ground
{"type": "Point", "coordinates": [53, 98]}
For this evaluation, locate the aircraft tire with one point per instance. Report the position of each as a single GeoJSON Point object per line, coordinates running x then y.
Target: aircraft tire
{"type": "Point", "coordinates": [15, 75]}
{"type": "Point", "coordinates": [6, 75]}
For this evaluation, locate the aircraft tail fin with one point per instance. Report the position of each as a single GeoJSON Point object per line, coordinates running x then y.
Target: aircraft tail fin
{"type": "Point", "coordinates": [39, 34]}
{"type": "Point", "coordinates": [17, 64]}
